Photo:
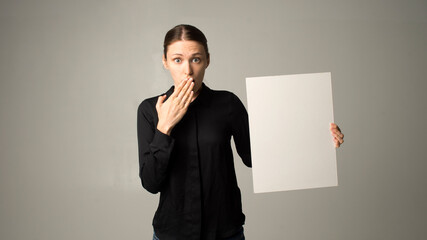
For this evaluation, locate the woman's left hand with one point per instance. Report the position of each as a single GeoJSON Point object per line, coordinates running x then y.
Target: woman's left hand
{"type": "Point", "coordinates": [337, 134]}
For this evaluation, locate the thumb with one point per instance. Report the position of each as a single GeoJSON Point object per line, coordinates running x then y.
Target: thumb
{"type": "Point", "coordinates": [160, 100]}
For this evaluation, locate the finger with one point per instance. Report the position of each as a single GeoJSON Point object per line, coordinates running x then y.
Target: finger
{"type": "Point", "coordinates": [182, 91]}
{"type": "Point", "coordinates": [334, 126]}
{"type": "Point", "coordinates": [186, 98]}
{"type": "Point", "coordinates": [334, 133]}
{"type": "Point", "coordinates": [336, 143]}
{"type": "Point", "coordinates": [178, 89]}
{"type": "Point", "coordinates": [160, 101]}
{"type": "Point", "coordinates": [189, 99]}
{"type": "Point", "coordinates": [338, 139]}
{"type": "Point", "coordinates": [337, 133]}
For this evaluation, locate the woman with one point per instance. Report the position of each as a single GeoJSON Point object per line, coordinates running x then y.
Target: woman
{"type": "Point", "coordinates": [184, 147]}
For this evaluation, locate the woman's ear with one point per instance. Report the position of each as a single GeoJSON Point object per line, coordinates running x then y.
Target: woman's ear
{"type": "Point", "coordinates": [208, 61]}
{"type": "Point", "coordinates": [165, 62]}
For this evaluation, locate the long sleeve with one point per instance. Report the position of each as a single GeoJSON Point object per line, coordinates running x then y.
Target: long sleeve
{"type": "Point", "coordinates": [193, 168]}
{"type": "Point", "coordinates": [240, 130]}
{"type": "Point", "coordinates": [154, 148]}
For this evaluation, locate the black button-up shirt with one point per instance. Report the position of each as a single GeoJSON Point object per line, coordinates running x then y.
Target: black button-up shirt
{"type": "Point", "coordinates": [193, 168]}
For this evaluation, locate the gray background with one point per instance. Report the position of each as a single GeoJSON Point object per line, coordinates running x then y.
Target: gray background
{"type": "Point", "coordinates": [73, 73]}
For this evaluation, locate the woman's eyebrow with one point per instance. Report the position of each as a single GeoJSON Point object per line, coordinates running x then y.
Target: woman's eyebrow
{"type": "Point", "coordinates": [180, 54]}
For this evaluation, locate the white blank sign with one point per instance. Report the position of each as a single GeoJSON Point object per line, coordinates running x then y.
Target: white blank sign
{"type": "Point", "coordinates": [289, 121]}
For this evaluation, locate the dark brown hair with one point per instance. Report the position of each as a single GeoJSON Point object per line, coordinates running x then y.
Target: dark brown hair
{"type": "Point", "coordinates": [185, 32]}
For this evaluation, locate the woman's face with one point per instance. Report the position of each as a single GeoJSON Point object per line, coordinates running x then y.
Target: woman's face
{"type": "Point", "coordinates": [186, 59]}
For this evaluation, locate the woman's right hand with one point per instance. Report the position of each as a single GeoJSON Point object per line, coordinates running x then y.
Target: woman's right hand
{"type": "Point", "coordinates": [171, 111]}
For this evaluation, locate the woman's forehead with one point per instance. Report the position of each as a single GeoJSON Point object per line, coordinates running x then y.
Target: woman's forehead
{"type": "Point", "coordinates": [185, 47]}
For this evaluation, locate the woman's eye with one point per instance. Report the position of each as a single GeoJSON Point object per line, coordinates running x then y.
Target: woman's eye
{"type": "Point", "coordinates": [177, 60]}
{"type": "Point", "coordinates": [196, 60]}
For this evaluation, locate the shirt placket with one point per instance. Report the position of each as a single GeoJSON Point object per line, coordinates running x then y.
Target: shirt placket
{"type": "Point", "coordinates": [194, 165]}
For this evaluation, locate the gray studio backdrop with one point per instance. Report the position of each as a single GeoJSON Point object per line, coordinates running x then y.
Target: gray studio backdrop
{"type": "Point", "coordinates": [74, 72]}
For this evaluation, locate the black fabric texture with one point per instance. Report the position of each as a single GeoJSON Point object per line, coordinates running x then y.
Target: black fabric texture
{"type": "Point", "coordinates": [193, 168]}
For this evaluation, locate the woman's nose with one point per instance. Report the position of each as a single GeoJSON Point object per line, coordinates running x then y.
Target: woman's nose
{"type": "Point", "coordinates": [188, 69]}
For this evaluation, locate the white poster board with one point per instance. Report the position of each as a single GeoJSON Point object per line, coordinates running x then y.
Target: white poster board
{"type": "Point", "coordinates": [289, 121]}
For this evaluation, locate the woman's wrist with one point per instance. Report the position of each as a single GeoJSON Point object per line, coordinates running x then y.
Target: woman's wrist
{"type": "Point", "coordinates": [164, 129]}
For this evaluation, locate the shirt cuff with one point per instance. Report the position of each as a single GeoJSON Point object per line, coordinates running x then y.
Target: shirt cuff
{"type": "Point", "coordinates": [162, 141]}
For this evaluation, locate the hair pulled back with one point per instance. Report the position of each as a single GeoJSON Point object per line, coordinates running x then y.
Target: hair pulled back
{"type": "Point", "coordinates": [185, 32]}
